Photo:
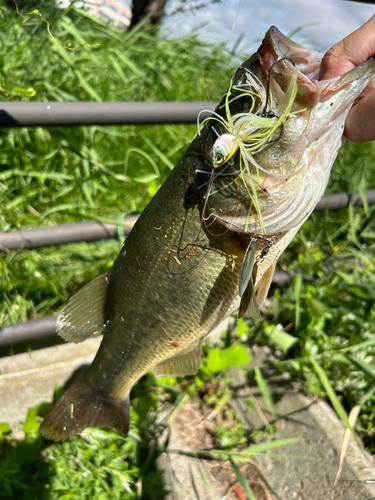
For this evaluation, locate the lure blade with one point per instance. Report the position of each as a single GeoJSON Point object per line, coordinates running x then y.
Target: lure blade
{"type": "Point", "coordinates": [247, 267]}
{"type": "Point", "coordinates": [249, 304]}
{"type": "Point", "coordinates": [252, 309]}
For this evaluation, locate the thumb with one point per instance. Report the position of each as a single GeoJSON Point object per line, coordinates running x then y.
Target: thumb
{"type": "Point", "coordinates": [353, 50]}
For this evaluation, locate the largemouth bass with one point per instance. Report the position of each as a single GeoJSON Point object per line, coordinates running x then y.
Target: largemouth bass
{"type": "Point", "coordinates": [212, 234]}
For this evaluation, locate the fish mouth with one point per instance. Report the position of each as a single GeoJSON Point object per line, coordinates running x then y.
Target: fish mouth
{"type": "Point", "coordinates": [279, 56]}
{"type": "Point", "coordinates": [277, 46]}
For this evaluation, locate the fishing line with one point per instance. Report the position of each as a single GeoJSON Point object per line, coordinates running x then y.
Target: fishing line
{"type": "Point", "coordinates": [226, 43]}
{"type": "Point", "coordinates": [286, 58]}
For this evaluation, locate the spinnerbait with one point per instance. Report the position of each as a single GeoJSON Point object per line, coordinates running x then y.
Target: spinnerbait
{"type": "Point", "coordinates": [251, 131]}
{"type": "Point", "coordinates": [248, 274]}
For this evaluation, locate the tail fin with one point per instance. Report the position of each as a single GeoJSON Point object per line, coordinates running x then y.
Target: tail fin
{"type": "Point", "coordinates": [81, 407]}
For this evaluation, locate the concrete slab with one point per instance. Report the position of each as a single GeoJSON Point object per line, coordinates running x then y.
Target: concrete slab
{"type": "Point", "coordinates": [185, 477]}
{"type": "Point", "coordinates": [304, 470]}
{"type": "Point", "coordinates": [29, 379]}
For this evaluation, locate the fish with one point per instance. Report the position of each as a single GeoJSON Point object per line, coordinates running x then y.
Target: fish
{"type": "Point", "coordinates": [208, 242]}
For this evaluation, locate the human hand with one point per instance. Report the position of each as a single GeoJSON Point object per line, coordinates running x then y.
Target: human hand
{"type": "Point", "coordinates": [353, 50]}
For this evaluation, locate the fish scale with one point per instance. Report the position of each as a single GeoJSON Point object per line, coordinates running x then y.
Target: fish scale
{"type": "Point", "coordinates": [218, 261]}
{"type": "Point", "coordinates": [182, 267]}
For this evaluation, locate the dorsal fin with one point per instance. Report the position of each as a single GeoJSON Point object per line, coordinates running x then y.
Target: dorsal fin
{"type": "Point", "coordinates": [187, 362]}
{"type": "Point", "coordinates": [264, 284]}
{"type": "Point", "coordinates": [83, 315]}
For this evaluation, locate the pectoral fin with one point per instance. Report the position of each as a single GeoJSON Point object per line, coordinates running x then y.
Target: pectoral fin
{"type": "Point", "coordinates": [264, 284]}
{"type": "Point", "coordinates": [83, 315]}
{"type": "Point", "coordinates": [187, 362]}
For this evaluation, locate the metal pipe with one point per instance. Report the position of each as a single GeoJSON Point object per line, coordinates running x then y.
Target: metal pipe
{"type": "Point", "coordinates": [33, 329]}
{"type": "Point", "coordinates": [38, 237]}
{"type": "Point", "coordinates": [92, 231]}
{"type": "Point", "coordinates": [49, 114]}
{"type": "Point", "coordinates": [343, 200]}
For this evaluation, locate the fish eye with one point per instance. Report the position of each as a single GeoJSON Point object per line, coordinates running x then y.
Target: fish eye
{"type": "Point", "coordinates": [268, 114]}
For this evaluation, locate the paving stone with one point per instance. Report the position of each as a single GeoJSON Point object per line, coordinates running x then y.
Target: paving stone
{"type": "Point", "coordinates": [29, 379]}
{"type": "Point", "coordinates": [306, 469]}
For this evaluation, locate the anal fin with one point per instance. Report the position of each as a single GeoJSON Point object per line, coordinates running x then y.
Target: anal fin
{"type": "Point", "coordinates": [83, 315]}
{"type": "Point", "coordinates": [186, 362]}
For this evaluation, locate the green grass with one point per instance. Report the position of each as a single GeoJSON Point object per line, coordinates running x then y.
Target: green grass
{"type": "Point", "coordinates": [101, 464]}
{"type": "Point", "coordinates": [65, 175]}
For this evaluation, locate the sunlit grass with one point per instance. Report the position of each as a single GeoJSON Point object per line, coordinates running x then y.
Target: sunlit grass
{"type": "Point", "coordinates": [71, 174]}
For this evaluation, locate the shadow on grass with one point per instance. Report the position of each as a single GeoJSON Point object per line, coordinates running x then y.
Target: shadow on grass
{"type": "Point", "coordinates": [24, 472]}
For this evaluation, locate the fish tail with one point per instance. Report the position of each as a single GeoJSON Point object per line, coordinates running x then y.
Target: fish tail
{"type": "Point", "coordinates": [82, 407]}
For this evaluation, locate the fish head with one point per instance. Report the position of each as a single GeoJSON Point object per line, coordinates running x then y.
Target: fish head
{"type": "Point", "coordinates": [289, 127]}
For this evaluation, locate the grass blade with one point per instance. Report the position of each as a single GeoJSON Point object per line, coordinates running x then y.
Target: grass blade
{"type": "Point", "coordinates": [39, 175]}
{"type": "Point", "coordinates": [297, 293]}
{"type": "Point", "coordinates": [241, 478]}
{"type": "Point", "coordinates": [119, 70]}
{"type": "Point", "coordinates": [354, 413]}
{"type": "Point", "coordinates": [159, 153]}
{"type": "Point", "coordinates": [143, 178]}
{"type": "Point", "coordinates": [257, 449]}
{"type": "Point", "coordinates": [366, 368]}
{"type": "Point", "coordinates": [263, 386]}
{"type": "Point", "coordinates": [87, 87]}
{"type": "Point", "coordinates": [282, 339]}
{"type": "Point", "coordinates": [332, 395]}
{"type": "Point", "coordinates": [130, 64]}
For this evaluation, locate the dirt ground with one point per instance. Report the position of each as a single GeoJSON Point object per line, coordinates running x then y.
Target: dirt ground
{"type": "Point", "coordinates": [197, 425]}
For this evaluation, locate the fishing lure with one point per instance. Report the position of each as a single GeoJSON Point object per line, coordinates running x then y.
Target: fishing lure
{"type": "Point", "coordinates": [250, 132]}
{"type": "Point", "coordinates": [248, 274]}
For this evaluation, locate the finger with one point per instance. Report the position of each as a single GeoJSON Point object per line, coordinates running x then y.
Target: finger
{"type": "Point", "coordinates": [353, 50]}
{"type": "Point", "coordinates": [360, 123]}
